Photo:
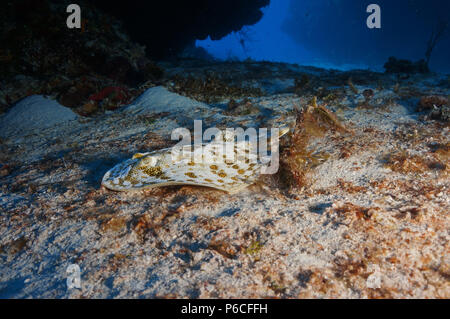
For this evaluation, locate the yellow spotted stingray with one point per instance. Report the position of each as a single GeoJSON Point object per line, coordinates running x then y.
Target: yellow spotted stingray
{"type": "Point", "coordinates": [230, 170]}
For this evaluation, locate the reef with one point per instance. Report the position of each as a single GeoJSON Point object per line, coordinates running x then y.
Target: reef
{"type": "Point", "coordinates": [394, 65]}
{"type": "Point", "coordinates": [166, 28]}
{"type": "Point", "coordinates": [111, 59]}
{"type": "Point", "coordinates": [90, 70]}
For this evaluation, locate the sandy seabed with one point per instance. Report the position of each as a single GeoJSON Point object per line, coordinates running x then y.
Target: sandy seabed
{"type": "Point", "coordinates": [371, 222]}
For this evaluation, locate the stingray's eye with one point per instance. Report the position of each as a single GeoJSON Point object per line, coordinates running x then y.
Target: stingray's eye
{"type": "Point", "coordinates": [149, 161]}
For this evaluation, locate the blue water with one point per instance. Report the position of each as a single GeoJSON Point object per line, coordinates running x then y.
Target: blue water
{"type": "Point", "coordinates": [334, 34]}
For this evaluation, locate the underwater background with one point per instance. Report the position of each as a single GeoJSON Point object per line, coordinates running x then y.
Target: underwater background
{"type": "Point", "coordinates": [334, 33]}
{"type": "Point", "coordinates": [90, 98]}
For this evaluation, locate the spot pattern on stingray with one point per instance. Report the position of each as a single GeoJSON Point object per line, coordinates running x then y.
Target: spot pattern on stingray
{"type": "Point", "coordinates": [163, 168]}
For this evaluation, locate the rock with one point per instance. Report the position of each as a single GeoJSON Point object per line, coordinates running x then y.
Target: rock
{"type": "Point", "coordinates": [445, 113]}
{"type": "Point", "coordinates": [437, 106]}
{"type": "Point", "coordinates": [4, 170]}
{"type": "Point", "coordinates": [152, 70]}
{"type": "Point", "coordinates": [118, 94]}
{"type": "Point", "coordinates": [121, 70]}
{"type": "Point", "coordinates": [71, 65]}
{"type": "Point", "coordinates": [89, 108]}
{"type": "Point", "coordinates": [431, 101]}
{"type": "Point", "coordinates": [368, 94]}
{"type": "Point", "coordinates": [165, 31]}
{"type": "Point", "coordinates": [33, 113]}
{"type": "Point", "coordinates": [394, 65]}
{"type": "Point", "coordinates": [75, 97]}
{"type": "Point", "coordinates": [441, 114]}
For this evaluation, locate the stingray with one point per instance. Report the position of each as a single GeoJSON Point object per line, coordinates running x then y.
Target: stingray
{"type": "Point", "coordinates": [222, 164]}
